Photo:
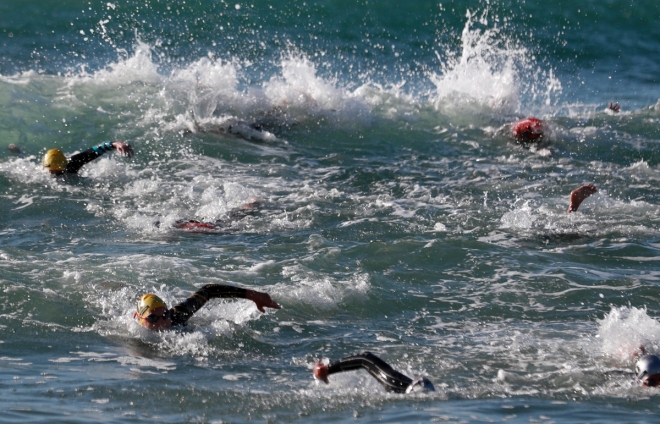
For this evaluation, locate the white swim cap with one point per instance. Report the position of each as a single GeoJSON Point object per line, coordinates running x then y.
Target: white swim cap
{"type": "Point", "coordinates": [422, 384]}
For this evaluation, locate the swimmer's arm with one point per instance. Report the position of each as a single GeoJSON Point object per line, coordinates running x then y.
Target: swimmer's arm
{"type": "Point", "coordinates": [78, 160]}
{"type": "Point", "coordinates": [391, 379]}
{"type": "Point", "coordinates": [578, 195]}
{"type": "Point", "coordinates": [261, 300]}
{"type": "Point", "coordinates": [350, 363]}
{"type": "Point", "coordinates": [182, 312]}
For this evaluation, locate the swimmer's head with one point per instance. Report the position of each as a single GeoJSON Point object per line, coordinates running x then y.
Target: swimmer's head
{"type": "Point", "coordinates": [148, 302]}
{"type": "Point", "coordinates": [151, 312]}
{"type": "Point", "coordinates": [528, 130]}
{"type": "Point", "coordinates": [647, 370]}
{"type": "Point", "coordinates": [55, 161]}
{"type": "Point", "coordinates": [422, 384]}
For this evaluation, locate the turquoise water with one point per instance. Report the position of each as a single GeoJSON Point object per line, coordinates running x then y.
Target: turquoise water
{"type": "Point", "coordinates": [399, 217]}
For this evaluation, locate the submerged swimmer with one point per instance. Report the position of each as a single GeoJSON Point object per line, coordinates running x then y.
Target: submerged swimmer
{"type": "Point", "coordinates": [249, 208]}
{"type": "Point", "coordinates": [57, 164]}
{"type": "Point", "coordinates": [647, 371]}
{"type": "Point", "coordinates": [153, 314]}
{"type": "Point", "coordinates": [578, 195]}
{"type": "Point", "coordinates": [528, 130]}
{"type": "Point", "coordinates": [392, 380]}
{"type": "Point", "coordinates": [14, 149]}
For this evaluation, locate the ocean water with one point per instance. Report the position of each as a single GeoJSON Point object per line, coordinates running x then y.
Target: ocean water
{"type": "Point", "coordinates": [400, 217]}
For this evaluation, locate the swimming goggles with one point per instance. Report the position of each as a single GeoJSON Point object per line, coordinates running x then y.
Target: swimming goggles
{"type": "Point", "coordinates": [151, 319]}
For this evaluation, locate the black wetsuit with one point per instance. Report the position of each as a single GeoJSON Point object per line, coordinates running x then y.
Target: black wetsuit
{"type": "Point", "coordinates": [78, 160]}
{"type": "Point", "coordinates": [181, 313]}
{"type": "Point", "coordinates": [393, 380]}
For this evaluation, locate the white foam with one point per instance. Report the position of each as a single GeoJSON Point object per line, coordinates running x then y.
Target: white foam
{"type": "Point", "coordinates": [205, 95]}
{"type": "Point", "coordinates": [301, 90]}
{"type": "Point", "coordinates": [624, 330]}
{"type": "Point", "coordinates": [136, 68]}
{"type": "Point", "coordinates": [320, 291]}
{"type": "Point", "coordinates": [64, 360]}
{"type": "Point", "coordinates": [147, 363]}
{"type": "Point", "coordinates": [235, 377]}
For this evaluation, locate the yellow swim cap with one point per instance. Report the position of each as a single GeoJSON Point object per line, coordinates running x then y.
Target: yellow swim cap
{"type": "Point", "coordinates": [54, 160]}
{"type": "Point", "coordinates": [149, 302]}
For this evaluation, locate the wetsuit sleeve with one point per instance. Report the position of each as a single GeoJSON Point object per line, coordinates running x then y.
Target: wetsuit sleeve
{"type": "Point", "coordinates": [182, 312]}
{"type": "Point", "coordinates": [78, 160]}
{"type": "Point", "coordinates": [393, 380]}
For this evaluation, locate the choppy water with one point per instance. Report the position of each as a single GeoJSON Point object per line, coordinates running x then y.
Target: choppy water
{"type": "Point", "coordinates": [399, 217]}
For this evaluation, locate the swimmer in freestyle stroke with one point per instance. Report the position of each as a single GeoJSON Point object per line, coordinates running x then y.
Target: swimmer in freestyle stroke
{"type": "Point", "coordinates": [152, 312]}
{"type": "Point", "coordinates": [57, 164]}
{"type": "Point", "coordinates": [578, 195]}
{"type": "Point", "coordinates": [392, 380]}
{"type": "Point", "coordinates": [250, 208]}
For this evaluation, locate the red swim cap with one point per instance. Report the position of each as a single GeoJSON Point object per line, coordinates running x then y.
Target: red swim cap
{"type": "Point", "coordinates": [527, 129]}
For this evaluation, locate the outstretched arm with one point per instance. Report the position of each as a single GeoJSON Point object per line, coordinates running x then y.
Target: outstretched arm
{"type": "Point", "coordinates": [77, 161]}
{"type": "Point", "coordinates": [579, 194]}
{"type": "Point", "coordinates": [392, 380]}
{"type": "Point", "coordinates": [183, 311]}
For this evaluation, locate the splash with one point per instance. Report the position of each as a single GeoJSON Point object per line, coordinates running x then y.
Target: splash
{"type": "Point", "coordinates": [208, 95]}
{"type": "Point", "coordinates": [301, 90]}
{"type": "Point", "coordinates": [484, 73]}
{"type": "Point", "coordinates": [204, 87]}
{"type": "Point", "coordinates": [624, 330]}
{"type": "Point", "coordinates": [522, 217]}
{"type": "Point", "coordinates": [492, 72]}
{"type": "Point", "coordinates": [136, 68]}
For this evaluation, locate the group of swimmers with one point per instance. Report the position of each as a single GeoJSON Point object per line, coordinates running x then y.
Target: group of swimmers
{"type": "Point", "coordinates": [153, 313]}
{"type": "Point", "coordinates": [531, 130]}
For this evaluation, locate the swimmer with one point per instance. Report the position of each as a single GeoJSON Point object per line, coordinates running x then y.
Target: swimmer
{"type": "Point", "coordinates": [249, 208]}
{"type": "Point", "coordinates": [14, 149]}
{"type": "Point", "coordinates": [392, 380]}
{"type": "Point", "coordinates": [153, 314]}
{"type": "Point", "coordinates": [528, 130]}
{"type": "Point", "coordinates": [647, 371]}
{"type": "Point", "coordinates": [614, 107]}
{"type": "Point", "coordinates": [57, 164]}
{"type": "Point", "coordinates": [579, 194]}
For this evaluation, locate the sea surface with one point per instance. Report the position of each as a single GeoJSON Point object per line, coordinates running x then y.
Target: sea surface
{"type": "Point", "coordinates": [399, 214]}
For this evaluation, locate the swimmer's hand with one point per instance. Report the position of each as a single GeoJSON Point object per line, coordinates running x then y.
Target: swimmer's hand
{"type": "Point", "coordinates": [579, 194]}
{"type": "Point", "coordinates": [638, 353]}
{"type": "Point", "coordinates": [123, 148]}
{"type": "Point", "coordinates": [261, 300]}
{"type": "Point", "coordinates": [321, 371]}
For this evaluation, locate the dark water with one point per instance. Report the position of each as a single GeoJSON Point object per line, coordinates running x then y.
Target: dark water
{"type": "Point", "coordinates": [399, 215]}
